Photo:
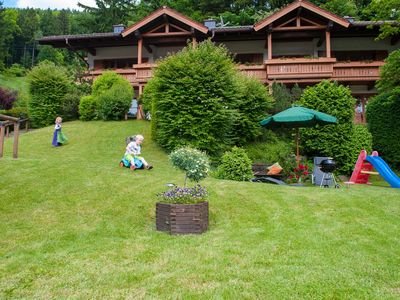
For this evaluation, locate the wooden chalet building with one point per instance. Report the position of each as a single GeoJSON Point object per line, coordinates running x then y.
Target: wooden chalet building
{"type": "Point", "coordinates": [302, 43]}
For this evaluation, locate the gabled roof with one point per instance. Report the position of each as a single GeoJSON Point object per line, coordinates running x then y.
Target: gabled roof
{"type": "Point", "coordinates": [304, 4]}
{"type": "Point", "coordinates": [169, 12]}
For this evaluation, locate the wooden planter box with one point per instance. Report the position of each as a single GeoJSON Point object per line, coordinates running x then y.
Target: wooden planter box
{"type": "Point", "coordinates": [182, 218]}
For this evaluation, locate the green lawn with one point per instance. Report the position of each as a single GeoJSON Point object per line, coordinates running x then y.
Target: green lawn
{"type": "Point", "coordinates": [75, 225]}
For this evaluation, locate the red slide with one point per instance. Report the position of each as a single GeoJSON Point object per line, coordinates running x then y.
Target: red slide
{"type": "Point", "coordinates": [362, 165]}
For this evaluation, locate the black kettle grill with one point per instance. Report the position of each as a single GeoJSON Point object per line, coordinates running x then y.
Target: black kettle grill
{"type": "Point", "coordinates": [328, 166]}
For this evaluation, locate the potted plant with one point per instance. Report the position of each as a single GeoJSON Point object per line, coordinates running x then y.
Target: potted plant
{"type": "Point", "coordinates": [184, 210]}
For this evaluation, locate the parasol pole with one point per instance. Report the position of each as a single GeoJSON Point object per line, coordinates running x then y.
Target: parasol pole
{"type": "Point", "coordinates": [297, 147]}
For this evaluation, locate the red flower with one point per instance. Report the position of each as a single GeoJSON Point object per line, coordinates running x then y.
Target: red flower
{"type": "Point", "coordinates": [305, 173]}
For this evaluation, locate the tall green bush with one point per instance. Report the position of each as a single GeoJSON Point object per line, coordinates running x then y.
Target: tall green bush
{"type": "Point", "coordinates": [197, 98]}
{"type": "Point", "coordinates": [48, 86]}
{"type": "Point", "coordinates": [383, 113]}
{"type": "Point", "coordinates": [332, 140]}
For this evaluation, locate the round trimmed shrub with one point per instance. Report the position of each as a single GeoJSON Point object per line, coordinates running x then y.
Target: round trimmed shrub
{"type": "Point", "coordinates": [193, 162]}
{"type": "Point", "coordinates": [235, 165]}
{"type": "Point", "coordinates": [105, 82]}
{"type": "Point", "coordinates": [383, 119]}
{"type": "Point", "coordinates": [87, 108]}
{"type": "Point", "coordinates": [48, 86]}
{"type": "Point", "coordinates": [332, 140]}
{"type": "Point", "coordinates": [114, 103]}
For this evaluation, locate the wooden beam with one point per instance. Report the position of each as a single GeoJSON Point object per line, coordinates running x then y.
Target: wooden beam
{"type": "Point", "coordinates": [298, 23]}
{"type": "Point", "coordinates": [328, 43]}
{"type": "Point", "coordinates": [16, 137]}
{"type": "Point", "coordinates": [369, 172]}
{"type": "Point", "coordinates": [139, 53]}
{"type": "Point", "coordinates": [8, 118]}
{"type": "Point", "coordinates": [295, 28]}
{"type": "Point", "coordinates": [155, 29]}
{"type": "Point", "coordinates": [269, 40]}
{"type": "Point", "coordinates": [163, 34]}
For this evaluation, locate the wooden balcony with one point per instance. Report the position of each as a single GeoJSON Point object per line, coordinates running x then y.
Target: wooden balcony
{"type": "Point", "coordinates": [138, 74]}
{"type": "Point", "coordinates": [292, 70]}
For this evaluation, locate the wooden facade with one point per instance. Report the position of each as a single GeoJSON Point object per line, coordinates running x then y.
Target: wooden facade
{"type": "Point", "coordinates": [301, 44]}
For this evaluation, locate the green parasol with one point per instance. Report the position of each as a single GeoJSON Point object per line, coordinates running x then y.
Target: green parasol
{"type": "Point", "coordinates": [296, 117]}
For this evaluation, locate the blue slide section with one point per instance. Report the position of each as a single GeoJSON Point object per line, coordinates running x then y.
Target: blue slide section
{"type": "Point", "coordinates": [384, 170]}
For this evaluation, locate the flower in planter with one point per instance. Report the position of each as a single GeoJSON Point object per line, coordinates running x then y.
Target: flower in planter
{"type": "Point", "coordinates": [185, 195]}
{"type": "Point", "coordinates": [196, 166]}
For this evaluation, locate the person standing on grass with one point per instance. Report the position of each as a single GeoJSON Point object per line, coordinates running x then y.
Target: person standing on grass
{"type": "Point", "coordinates": [133, 150]}
{"type": "Point", "coordinates": [59, 138]}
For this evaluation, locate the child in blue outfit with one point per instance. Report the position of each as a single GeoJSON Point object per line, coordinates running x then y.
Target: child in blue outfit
{"type": "Point", "coordinates": [133, 151]}
{"type": "Point", "coordinates": [58, 137]}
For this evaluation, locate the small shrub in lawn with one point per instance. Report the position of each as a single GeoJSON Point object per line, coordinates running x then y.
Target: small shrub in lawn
{"type": "Point", "coordinates": [193, 162]}
{"type": "Point", "coordinates": [235, 165]}
{"type": "Point", "coordinates": [7, 98]}
{"type": "Point", "coordinates": [114, 103]}
{"type": "Point", "coordinates": [87, 108]}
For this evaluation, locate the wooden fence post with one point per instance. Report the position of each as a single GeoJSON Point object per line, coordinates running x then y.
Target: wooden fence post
{"type": "Point", "coordinates": [16, 135]}
{"type": "Point", "coordinates": [2, 132]}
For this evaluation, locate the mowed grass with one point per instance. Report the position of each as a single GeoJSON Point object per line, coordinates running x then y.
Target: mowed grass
{"type": "Point", "coordinates": [73, 224]}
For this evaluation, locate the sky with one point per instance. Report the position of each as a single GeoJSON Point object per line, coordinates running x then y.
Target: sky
{"type": "Point", "coordinates": [55, 4]}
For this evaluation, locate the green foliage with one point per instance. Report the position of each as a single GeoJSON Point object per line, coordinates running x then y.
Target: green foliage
{"type": "Point", "coordinates": [390, 76]}
{"type": "Point", "coordinates": [331, 140]}
{"type": "Point", "coordinates": [50, 54]}
{"type": "Point", "coordinates": [270, 149]}
{"type": "Point", "coordinates": [88, 108]}
{"type": "Point", "coordinates": [284, 97]}
{"type": "Point", "coordinates": [362, 139]}
{"type": "Point", "coordinates": [341, 7]}
{"type": "Point", "coordinates": [16, 70]}
{"type": "Point", "coordinates": [384, 123]}
{"type": "Point", "coordinates": [197, 98]}
{"type": "Point", "coordinates": [379, 10]}
{"type": "Point", "coordinates": [114, 103]}
{"type": "Point", "coordinates": [17, 112]}
{"type": "Point", "coordinates": [253, 101]}
{"type": "Point", "coordinates": [235, 165]}
{"type": "Point", "coordinates": [48, 86]}
{"type": "Point", "coordinates": [193, 162]}
{"type": "Point", "coordinates": [70, 104]}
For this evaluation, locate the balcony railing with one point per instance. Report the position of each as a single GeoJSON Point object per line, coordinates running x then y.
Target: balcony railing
{"type": "Point", "coordinates": [357, 70]}
{"type": "Point", "coordinates": [255, 71]}
{"type": "Point", "coordinates": [299, 68]}
{"type": "Point", "coordinates": [281, 70]}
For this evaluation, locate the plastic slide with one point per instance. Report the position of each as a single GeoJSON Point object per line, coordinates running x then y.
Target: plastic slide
{"type": "Point", "coordinates": [384, 170]}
